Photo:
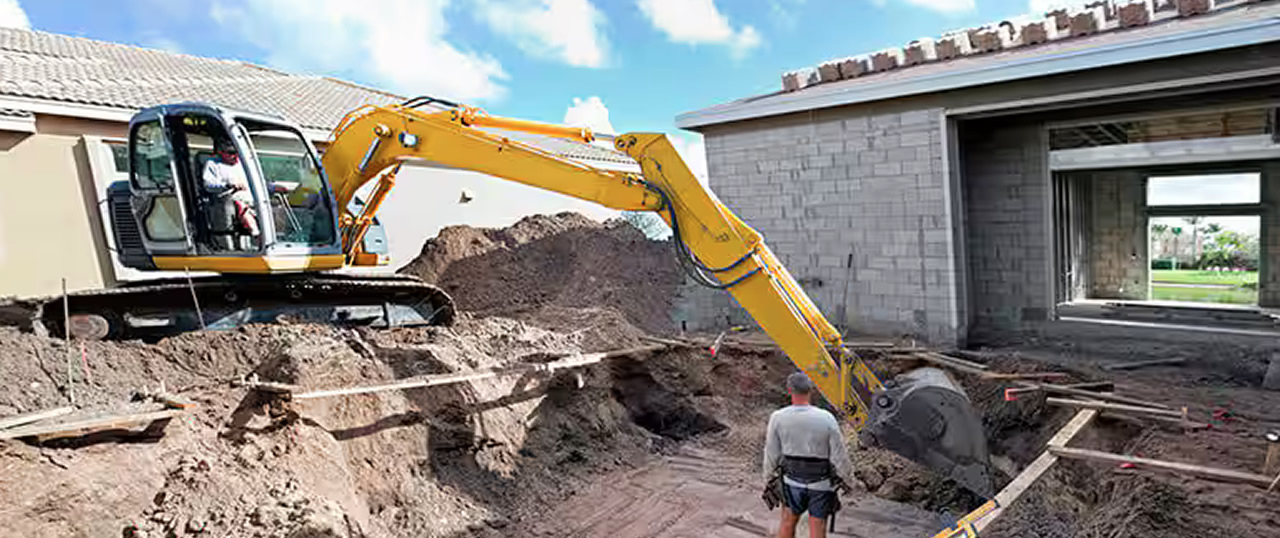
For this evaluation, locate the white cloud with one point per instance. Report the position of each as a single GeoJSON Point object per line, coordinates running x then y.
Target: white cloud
{"type": "Point", "coordinates": [947, 6]}
{"type": "Point", "coordinates": [1038, 7]}
{"type": "Point", "coordinates": [12, 15]}
{"type": "Point", "coordinates": [590, 113]}
{"type": "Point", "coordinates": [698, 22]}
{"type": "Point", "coordinates": [162, 43]}
{"type": "Point", "coordinates": [397, 44]}
{"type": "Point", "coordinates": [694, 152]}
{"type": "Point", "coordinates": [571, 31]}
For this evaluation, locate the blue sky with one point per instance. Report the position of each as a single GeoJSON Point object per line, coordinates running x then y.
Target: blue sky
{"type": "Point", "coordinates": [642, 61]}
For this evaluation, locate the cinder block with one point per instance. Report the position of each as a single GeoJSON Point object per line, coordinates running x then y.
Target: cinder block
{"type": "Point", "coordinates": [829, 71]}
{"type": "Point", "coordinates": [1087, 22]}
{"type": "Point", "coordinates": [853, 67]}
{"type": "Point", "coordinates": [1040, 31]}
{"type": "Point", "coordinates": [991, 38]}
{"type": "Point", "coordinates": [799, 79]}
{"type": "Point", "coordinates": [1108, 10]}
{"type": "Point", "coordinates": [920, 51]}
{"type": "Point", "coordinates": [1061, 18]}
{"type": "Point", "coordinates": [1187, 8]}
{"type": "Point", "coordinates": [1134, 14]}
{"type": "Point", "coordinates": [953, 45]}
{"type": "Point", "coordinates": [886, 59]}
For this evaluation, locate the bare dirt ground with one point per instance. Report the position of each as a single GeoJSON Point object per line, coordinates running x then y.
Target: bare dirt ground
{"type": "Point", "coordinates": [655, 444]}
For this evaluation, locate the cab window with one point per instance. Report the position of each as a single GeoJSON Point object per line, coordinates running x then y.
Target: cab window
{"type": "Point", "coordinates": [151, 157]}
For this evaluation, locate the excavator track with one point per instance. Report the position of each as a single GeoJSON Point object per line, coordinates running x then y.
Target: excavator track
{"type": "Point", "coordinates": [158, 308]}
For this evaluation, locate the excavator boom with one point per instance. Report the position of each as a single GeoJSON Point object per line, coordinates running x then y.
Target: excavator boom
{"type": "Point", "coordinates": [923, 415]}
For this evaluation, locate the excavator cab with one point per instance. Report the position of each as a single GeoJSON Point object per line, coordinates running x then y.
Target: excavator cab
{"type": "Point", "coordinates": [232, 214]}
{"type": "Point", "coordinates": [223, 191]}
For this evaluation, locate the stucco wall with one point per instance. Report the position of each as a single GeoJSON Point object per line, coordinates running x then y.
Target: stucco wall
{"type": "Point", "coordinates": [49, 226]}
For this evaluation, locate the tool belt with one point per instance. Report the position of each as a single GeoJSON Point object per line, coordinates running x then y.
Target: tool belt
{"type": "Point", "coordinates": [807, 470]}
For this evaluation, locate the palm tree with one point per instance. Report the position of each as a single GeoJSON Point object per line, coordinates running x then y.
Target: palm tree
{"type": "Point", "coordinates": [1195, 237]}
{"type": "Point", "coordinates": [1158, 230]}
{"type": "Point", "coordinates": [1176, 231]}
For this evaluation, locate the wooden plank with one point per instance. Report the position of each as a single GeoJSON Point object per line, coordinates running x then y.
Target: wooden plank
{"type": "Point", "coordinates": [80, 427]}
{"type": "Point", "coordinates": [34, 416]}
{"type": "Point", "coordinates": [575, 361]}
{"type": "Point", "coordinates": [1033, 472]}
{"type": "Point", "coordinates": [1063, 389]}
{"type": "Point", "coordinates": [174, 401]}
{"type": "Point", "coordinates": [1198, 470]}
{"type": "Point", "coordinates": [1090, 386]}
{"type": "Point", "coordinates": [1142, 364]}
{"type": "Point", "coordinates": [1186, 424]}
{"type": "Point", "coordinates": [1027, 375]}
{"type": "Point", "coordinates": [1113, 407]}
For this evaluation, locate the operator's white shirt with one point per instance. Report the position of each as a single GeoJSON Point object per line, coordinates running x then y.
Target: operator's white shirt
{"type": "Point", "coordinates": [219, 176]}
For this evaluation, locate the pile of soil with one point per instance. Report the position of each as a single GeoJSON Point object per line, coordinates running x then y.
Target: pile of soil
{"type": "Point", "coordinates": [544, 268]}
{"type": "Point", "coordinates": [442, 461]}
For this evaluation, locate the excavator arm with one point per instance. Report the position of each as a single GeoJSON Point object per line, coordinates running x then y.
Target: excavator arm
{"type": "Point", "coordinates": [922, 416]}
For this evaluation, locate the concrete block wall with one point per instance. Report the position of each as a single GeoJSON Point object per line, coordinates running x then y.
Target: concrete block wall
{"type": "Point", "coordinates": [1006, 187]}
{"type": "Point", "coordinates": [855, 206]}
{"type": "Point", "coordinates": [1118, 250]}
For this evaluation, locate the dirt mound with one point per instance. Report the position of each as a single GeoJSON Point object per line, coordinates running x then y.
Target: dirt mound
{"type": "Point", "coordinates": [475, 459]}
{"type": "Point", "coordinates": [543, 265]}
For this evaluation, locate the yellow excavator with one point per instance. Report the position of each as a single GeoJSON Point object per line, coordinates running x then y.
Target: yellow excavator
{"type": "Point", "coordinates": [245, 196]}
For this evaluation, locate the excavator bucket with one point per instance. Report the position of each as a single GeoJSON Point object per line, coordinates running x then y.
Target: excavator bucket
{"type": "Point", "coordinates": [924, 416]}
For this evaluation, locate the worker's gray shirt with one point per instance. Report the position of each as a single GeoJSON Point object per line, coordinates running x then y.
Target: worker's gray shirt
{"type": "Point", "coordinates": [806, 431]}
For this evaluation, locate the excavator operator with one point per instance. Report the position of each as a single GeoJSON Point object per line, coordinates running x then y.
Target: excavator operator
{"type": "Point", "coordinates": [232, 213]}
{"type": "Point", "coordinates": [806, 462]}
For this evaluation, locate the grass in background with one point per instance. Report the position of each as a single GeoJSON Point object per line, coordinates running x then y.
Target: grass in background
{"type": "Point", "coordinates": [1180, 276]}
{"type": "Point", "coordinates": [1205, 295]}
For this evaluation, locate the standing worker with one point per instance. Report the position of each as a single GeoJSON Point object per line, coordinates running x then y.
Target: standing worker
{"type": "Point", "coordinates": [805, 449]}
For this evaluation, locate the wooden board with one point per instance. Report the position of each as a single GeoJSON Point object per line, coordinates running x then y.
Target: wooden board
{"type": "Point", "coordinates": [1033, 472]}
{"type": "Point", "coordinates": [89, 425]}
{"type": "Point", "coordinates": [1063, 389]}
{"type": "Point", "coordinates": [1142, 364]}
{"type": "Point", "coordinates": [34, 416]}
{"type": "Point", "coordinates": [1198, 470]}
{"type": "Point", "coordinates": [575, 361]}
{"type": "Point", "coordinates": [1105, 406]}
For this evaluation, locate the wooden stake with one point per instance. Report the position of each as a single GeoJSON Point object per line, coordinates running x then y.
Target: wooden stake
{"type": "Point", "coordinates": [35, 416]}
{"type": "Point", "coordinates": [191, 286]}
{"type": "Point", "coordinates": [1198, 470]}
{"type": "Point", "coordinates": [66, 339]}
{"type": "Point", "coordinates": [1114, 407]}
{"type": "Point", "coordinates": [1274, 481]}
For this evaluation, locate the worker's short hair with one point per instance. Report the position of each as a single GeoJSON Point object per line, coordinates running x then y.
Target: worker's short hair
{"type": "Point", "coordinates": [799, 383]}
{"type": "Point", "coordinates": [223, 144]}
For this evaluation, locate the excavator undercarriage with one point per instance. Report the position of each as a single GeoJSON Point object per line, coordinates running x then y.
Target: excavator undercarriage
{"type": "Point", "coordinates": [158, 308]}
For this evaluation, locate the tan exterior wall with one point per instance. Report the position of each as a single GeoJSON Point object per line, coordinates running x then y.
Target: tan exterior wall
{"type": "Point", "coordinates": [50, 227]}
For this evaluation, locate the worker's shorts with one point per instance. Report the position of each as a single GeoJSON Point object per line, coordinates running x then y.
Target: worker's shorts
{"type": "Point", "coordinates": [819, 504]}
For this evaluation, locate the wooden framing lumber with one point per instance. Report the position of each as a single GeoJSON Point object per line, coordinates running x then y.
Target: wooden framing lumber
{"type": "Point", "coordinates": [1033, 472]}
{"type": "Point", "coordinates": [1198, 470]}
{"type": "Point", "coordinates": [34, 416]}
{"type": "Point", "coordinates": [574, 361]}
{"type": "Point", "coordinates": [1105, 406]}
{"type": "Point", "coordinates": [1142, 364]}
{"type": "Point", "coordinates": [1012, 394]}
{"type": "Point", "coordinates": [1185, 424]}
{"type": "Point", "coordinates": [85, 426]}
{"type": "Point", "coordinates": [1063, 389]}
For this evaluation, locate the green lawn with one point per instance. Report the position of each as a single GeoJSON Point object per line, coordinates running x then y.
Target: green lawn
{"type": "Point", "coordinates": [1204, 295]}
{"type": "Point", "coordinates": [1204, 277]}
